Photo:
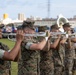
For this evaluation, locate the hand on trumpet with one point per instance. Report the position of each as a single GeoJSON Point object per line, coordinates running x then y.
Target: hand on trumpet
{"type": "Point", "coordinates": [19, 35]}
{"type": "Point", "coordinates": [48, 34]}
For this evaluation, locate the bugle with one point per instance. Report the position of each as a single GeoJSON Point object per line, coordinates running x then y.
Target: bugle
{"type": "Point", "coordinates": [44, 34]}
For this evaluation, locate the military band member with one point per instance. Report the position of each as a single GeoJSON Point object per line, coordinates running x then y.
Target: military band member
{"type": "Point", "coordinates": [58, 51]}
{"type": "Point", "coordinates": [30, 51]}
{"type": "Point", "coordinates": [5, 66]}
{"type": "Point", "coordinates": [69, 51]}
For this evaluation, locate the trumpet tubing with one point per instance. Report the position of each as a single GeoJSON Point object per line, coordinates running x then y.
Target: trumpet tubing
{"type": "Point", "coordinates": [44, 34]}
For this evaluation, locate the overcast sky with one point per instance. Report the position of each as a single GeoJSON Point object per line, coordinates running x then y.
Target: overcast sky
{"type": "Point", "coordinates": [37, 8]}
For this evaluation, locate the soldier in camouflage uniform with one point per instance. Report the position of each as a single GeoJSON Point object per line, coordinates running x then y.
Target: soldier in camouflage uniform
{"type": "Point", "coordinates": [58, 52]}
{"type": "Point", "coordinates": [5, 68]}
{"type": "Point", "coordinates": [28, 62]}
{"type": "Point", "coordinates": [46, 62]}
{"type": "Point", "coordinates": [69, 51]}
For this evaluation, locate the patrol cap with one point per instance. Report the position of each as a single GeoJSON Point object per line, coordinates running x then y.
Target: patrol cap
{"type": "Point", "coordinates": [29, 24]}
{"type": "Point", "coordinates": [55, 26]}
{"type": "Point", "coordinates": [1, 26]}
{"type": "Point", "coordinates": [66, 25]}
{"type": "Point", "coordinates": [42, 28]}
{"type": "Point", "coordinates": [19, 27]}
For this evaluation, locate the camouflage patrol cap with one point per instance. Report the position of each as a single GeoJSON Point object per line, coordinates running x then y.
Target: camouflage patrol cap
{"type": "Point", "coordinates": [55, 26]}
{"type": "Point", "coordinates": [19, 27]}
{"type": "Point", "coordinates": [66, 25]}
{"type": "Point", "coordinates": [42, 28]}
{"type": "Point", "coordinates": [29, 24]}
{"type": "Point", "coordinates": [1, 26]}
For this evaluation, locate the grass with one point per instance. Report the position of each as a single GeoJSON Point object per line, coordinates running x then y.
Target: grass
{"type": "Point", "coordinates": [10, 44]}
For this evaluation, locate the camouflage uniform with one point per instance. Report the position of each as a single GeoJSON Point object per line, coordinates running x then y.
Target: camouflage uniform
{"type": "Point", "coordinates": [5, 66]}
{"type": "Point", "coordinates": [46, 65]}
{"type": "Point", "coordinates": [69, 59]}
{"type": "Point", "coordinates": [46, 62]}
{"type": "Point", "coordinates": [58, 58]}
{"type": "Point", "coordinates": [29, 61]}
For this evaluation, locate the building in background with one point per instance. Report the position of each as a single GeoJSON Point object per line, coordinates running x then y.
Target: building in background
{"type": "Point", "coordinates": [21, 16]}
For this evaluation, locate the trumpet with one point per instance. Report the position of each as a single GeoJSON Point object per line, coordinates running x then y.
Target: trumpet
{"type": "Point", "coordinates": [64, 35]}
{"type": "Point", "coordinates": [26, 35]}
{"type": "Point", "coordinates": [58, 33]}
{"type": "Point", "coordinates": [44, 34]}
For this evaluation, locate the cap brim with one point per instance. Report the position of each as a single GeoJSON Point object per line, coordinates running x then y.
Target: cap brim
{"type": "Point", "coordinates": [68, 26]}
{"type": "Point", "coordinates": [28, 27]}
{"type": "Point", "coordinates": [32, 28]}
{"type": "Point", "coordinates": [57, 27]}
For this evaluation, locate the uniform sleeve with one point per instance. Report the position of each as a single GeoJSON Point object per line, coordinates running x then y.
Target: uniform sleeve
{"type": "Point", "coordinates": [1, 53]}
{"type": "Point", "coordinates": [27, 46]}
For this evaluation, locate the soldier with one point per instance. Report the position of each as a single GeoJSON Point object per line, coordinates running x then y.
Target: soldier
{"type": "Point", "coordinates": [42, 55]}
{"type": "Point", "coordinates": [30, 51]}
{"type": "Point", "coordinates": [69, 51]}
{"type": "Point", "coordinates": [46, 57]}
{"type": "Point", "coordinates": [58, 51]}
{"type": "Point", "coordinates": [9, 55]}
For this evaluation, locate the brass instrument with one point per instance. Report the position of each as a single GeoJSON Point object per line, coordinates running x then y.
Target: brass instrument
{"type": "Point", "coordinates": [26, 35]}
{"type": "Point", "coordinates": [43, 34]}
{"type": "Point", "coordinates": [60, 21]}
